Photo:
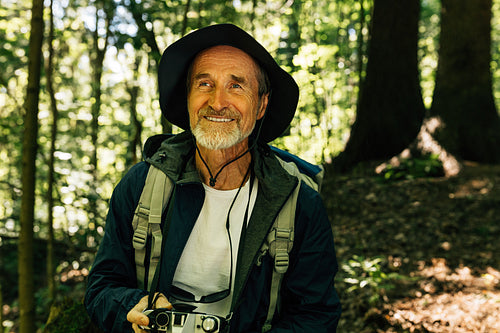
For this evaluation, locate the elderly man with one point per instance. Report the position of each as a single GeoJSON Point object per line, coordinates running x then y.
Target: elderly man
{"type": "Point", "coordinates": [231, 98]}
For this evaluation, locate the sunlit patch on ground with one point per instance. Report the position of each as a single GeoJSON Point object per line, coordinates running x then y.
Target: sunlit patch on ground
{"type": "Point", "coordinates": [451, 301]}
{"type": "Point", "coordinates": [438, 241]}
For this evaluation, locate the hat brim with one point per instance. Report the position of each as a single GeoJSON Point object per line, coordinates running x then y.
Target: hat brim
{"type": "Point", "coordinates": [178, 56]}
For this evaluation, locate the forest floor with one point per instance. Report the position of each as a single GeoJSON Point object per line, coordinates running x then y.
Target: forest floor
{"type": "Point", "coordinates": [417, 255]}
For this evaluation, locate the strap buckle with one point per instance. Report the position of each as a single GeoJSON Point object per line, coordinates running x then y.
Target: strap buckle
{"type": "Point", "coordinates": [281, 259]}
{"type": "Point", "coordinates": [281, 262]}
{"type": "Point", "coordinates": [140, 236]}
{"type": "Point", "coordinates": [142, 212]}
{"type": "Point", "coordinates": [284, 234]}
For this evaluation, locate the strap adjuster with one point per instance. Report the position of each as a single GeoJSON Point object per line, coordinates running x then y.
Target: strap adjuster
{"type": "Point", "coordinates": [142, 212]}
{"type": "Point", "coordinates": [283, 234]}
{"type": "Point", "coordinates": [140, 236]}
{"type": "Point", "coordinates": [281, 262]}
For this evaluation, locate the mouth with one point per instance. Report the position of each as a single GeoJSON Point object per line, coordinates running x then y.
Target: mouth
{"type": "Point", "coordinates": [218, 119]}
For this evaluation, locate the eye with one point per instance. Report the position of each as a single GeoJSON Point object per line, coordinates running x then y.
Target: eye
{"type": "Point", "coordinates": [236, 86]}
{"type": "Point", "coordinates": [204, 85]}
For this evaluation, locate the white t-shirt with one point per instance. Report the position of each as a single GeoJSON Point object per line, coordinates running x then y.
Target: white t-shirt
{"type": "Point", "coordinates": [203, 268]}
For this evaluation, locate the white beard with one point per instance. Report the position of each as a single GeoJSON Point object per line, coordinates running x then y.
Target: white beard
{"type": "Point", "coordinates": [217, 137]}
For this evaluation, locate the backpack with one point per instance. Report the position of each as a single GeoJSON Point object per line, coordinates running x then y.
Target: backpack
{"type": "Point", "coordinates": [278, 243]}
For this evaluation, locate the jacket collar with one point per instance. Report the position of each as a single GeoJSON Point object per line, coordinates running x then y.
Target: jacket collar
{"type": "Point", "coordinates": [174, 155]}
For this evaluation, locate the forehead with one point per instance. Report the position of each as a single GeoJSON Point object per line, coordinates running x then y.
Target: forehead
{"type": "Point", "coordinates": [224, 57]}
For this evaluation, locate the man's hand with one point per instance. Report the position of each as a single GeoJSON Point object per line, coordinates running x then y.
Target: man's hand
{"type": "Point", "coordinates": [136, 317]}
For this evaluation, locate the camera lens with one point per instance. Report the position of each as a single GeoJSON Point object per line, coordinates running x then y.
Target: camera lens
{"type": "Point", "coordinates": [209, 324]}
{"type": "Point", "coordinates": [162, 319]}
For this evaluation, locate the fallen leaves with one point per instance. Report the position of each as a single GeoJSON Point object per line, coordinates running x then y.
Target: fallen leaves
{"type": "Point", "coordinates": [442, 231]}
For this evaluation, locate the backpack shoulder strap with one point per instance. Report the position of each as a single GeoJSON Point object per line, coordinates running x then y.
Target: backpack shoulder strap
{"type": "Point", "coordinates": [146, 223]}
{"type": "Point", "coordinates": [279, 243]}
{"type": "Point", "coordinates": [313, 181]}
{"type": "Point", "coordinates": [309, 173]}
{"type": "Point", "coordinates": [280, 239]}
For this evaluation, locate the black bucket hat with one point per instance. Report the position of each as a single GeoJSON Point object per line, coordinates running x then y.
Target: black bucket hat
{"type": "Point", "coordinates": [176, 59]}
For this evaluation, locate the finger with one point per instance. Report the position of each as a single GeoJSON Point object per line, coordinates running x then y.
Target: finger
{"type": "Point", "coordinates": [136, 329]}
{"type": "Point", "coordinates": [162, 302]}
{"type": "Point", "coordinates": [135, 316]}
{"type": "Point", "coordinates": [138, 318]}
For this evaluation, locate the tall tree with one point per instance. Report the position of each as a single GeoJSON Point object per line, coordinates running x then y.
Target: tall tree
{"type": "Point", "coordinates": [390, 107]}
{"type": "Point", "coordinates": [26, 260]}
{"type": "Point", "coordinates": [133, 90]}
{"type": "Point", "coordinates": [361, 39]}
{"type": "Point", "coordinates": [99, 46]}
{"type": "Point", "coordinates": [187, 7]}
{"type": "Point", "coordinates": [463, 100]}
{"type": "Point", "coordinates": [148, 37]}
{"type": "Point", "coordinates": [145, 35]}
{"type": "Point", "coordinates": [53, 137]}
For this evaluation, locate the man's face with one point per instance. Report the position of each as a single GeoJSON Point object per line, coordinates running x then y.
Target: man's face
{"type": "Point", "coordinates": [223, 100]}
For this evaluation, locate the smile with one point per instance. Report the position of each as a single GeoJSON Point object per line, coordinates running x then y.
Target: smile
{"type": "Point", "coordinates": [218, 120]}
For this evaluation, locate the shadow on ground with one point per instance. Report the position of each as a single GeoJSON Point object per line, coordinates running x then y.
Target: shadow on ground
{"type": "Point", "coordinates": [418, 255]}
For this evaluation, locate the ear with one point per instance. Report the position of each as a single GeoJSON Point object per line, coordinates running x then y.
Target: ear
{"type": "Point", "coordinates": [264, 100]}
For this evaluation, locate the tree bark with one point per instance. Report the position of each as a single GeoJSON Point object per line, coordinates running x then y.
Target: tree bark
{"type": "Point", "coordinates": [463, 100]}
{"type": "Point", "coordinates": [136, 143]}
{"type": "Point", "coordinates": [97, 68]}
{"type": "Point", "coordinates": [187, 7]}
{"type": "Point", "coordinates": [133, 90]}
{"type": "Point", "coordinates": [50, 186]}
{"type": "Point", "coordinates": [390, 108]}
{"type": "Point", "coordinates": [26, 261]}
{"type": "Point", "coordinates": [148, 36]}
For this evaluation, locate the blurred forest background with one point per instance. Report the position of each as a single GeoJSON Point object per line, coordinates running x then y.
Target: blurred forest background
{"type": "Point", "coordinates": [399, 100]}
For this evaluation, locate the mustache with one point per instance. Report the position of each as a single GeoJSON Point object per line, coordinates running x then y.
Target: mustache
{"type": "Point", "coordinates": [225, 112]}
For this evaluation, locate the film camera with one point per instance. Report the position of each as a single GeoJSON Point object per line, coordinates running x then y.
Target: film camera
{"type": "Point", "coordinates": [164, 320]}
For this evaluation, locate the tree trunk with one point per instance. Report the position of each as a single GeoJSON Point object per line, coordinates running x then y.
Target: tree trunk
{"type": "Point", "coordinates": [133, 91]}
{"type": "Point", "coordinates": [148, 36]}
{"type": "Point", "coordinates": [97, 69]}
{"type": "Point", "coordinates": [185, 17]}
{"type": "Point", "coordinates": [26, 261]}
{"type": "Point", "coordinates": [390, 107]}
{"type": "Point", "coordinates": [50, 195]}
{"type": "Point", "coordinates": [463, 99]}
{"type": "Point", "coordinates": [361, 40]}
{"type": "Point", "coordinates": [136, 143]}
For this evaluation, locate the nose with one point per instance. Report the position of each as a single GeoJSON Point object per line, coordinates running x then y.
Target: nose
{"type": "Point", "coordinates": [218, 99]}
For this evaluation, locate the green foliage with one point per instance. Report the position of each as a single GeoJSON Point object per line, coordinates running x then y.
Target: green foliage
{"type": "Point", "coordinates": [410, 168]}
{"type": "Point", "coordinates": [428, 45]}
{"type": "Point", "coordinates": [367, 278]}
{"type": "Point", "coordinates": [364, 286]}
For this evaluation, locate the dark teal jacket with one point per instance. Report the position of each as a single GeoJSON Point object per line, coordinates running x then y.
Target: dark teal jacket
{"type": "Point", "coordinates": [308, 297]}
